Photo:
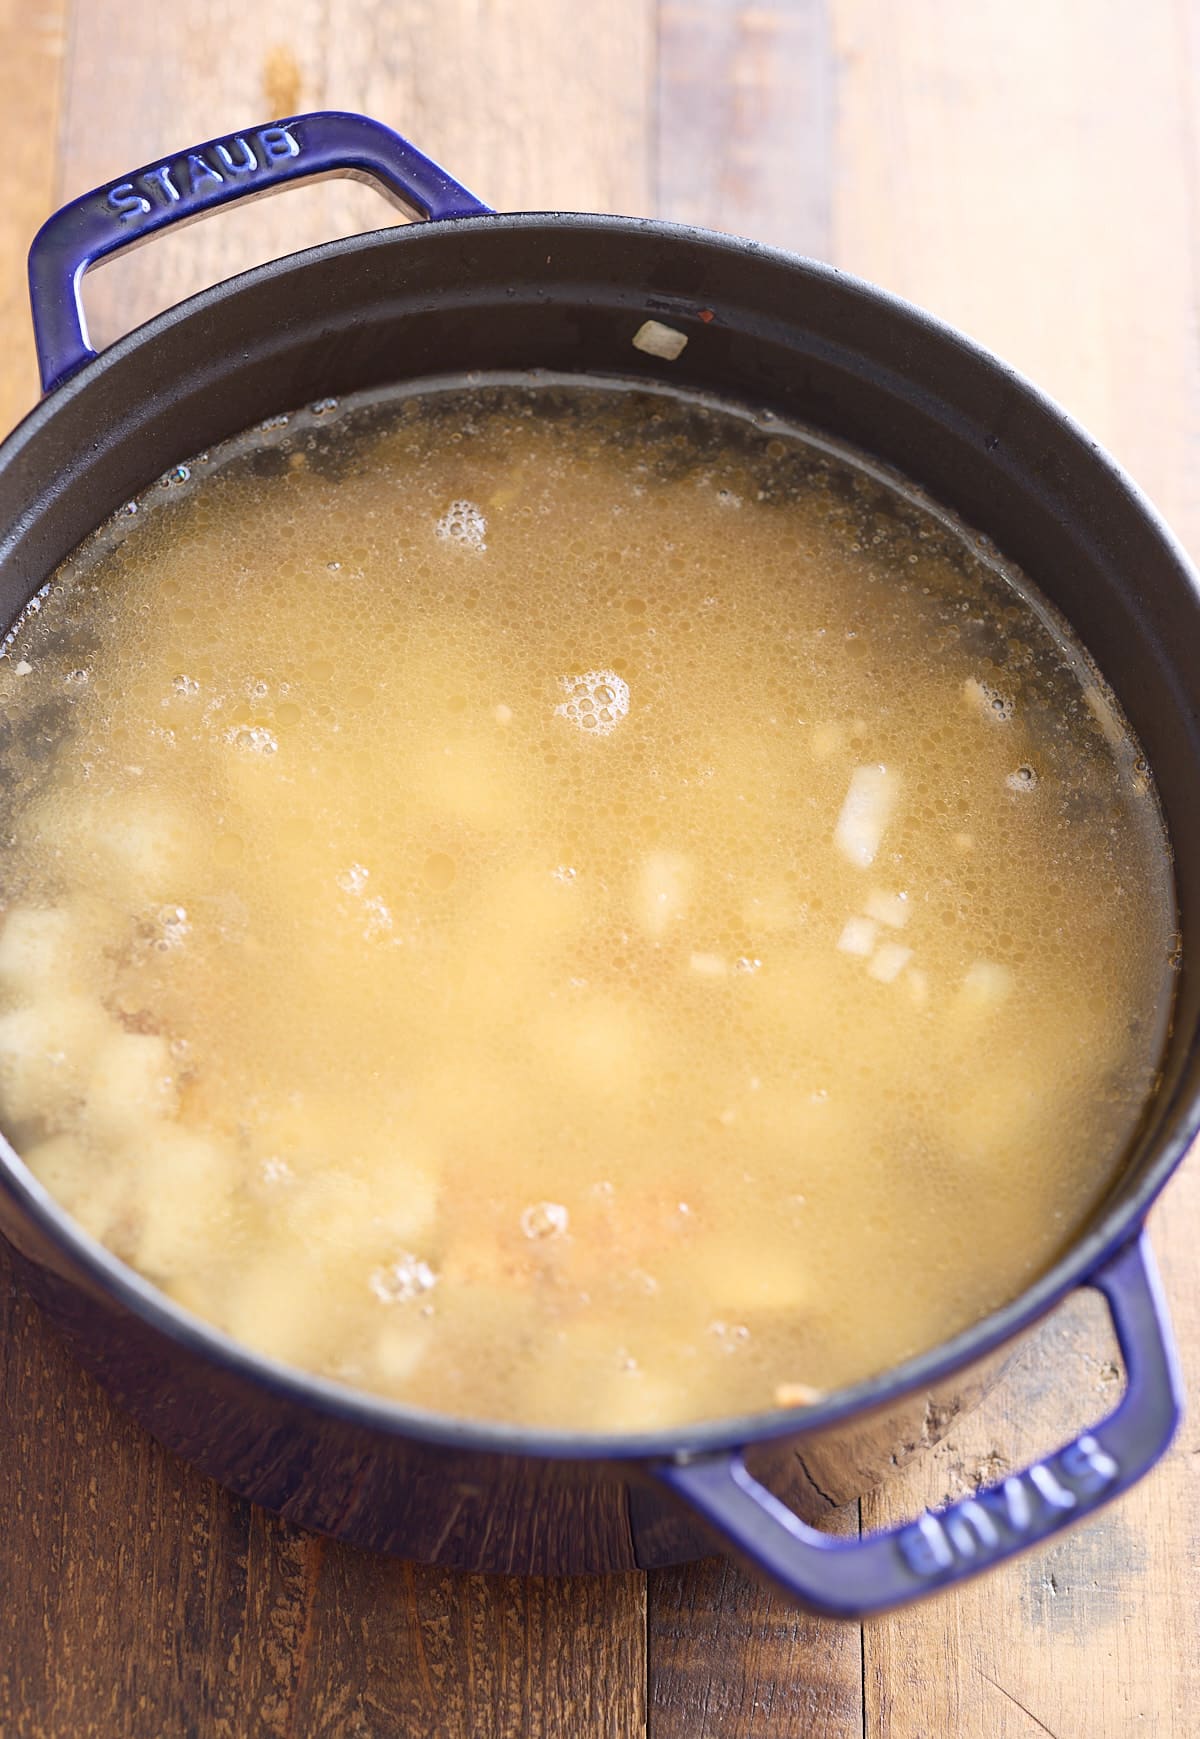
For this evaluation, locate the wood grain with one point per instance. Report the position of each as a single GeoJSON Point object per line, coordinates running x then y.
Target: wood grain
{"type": "Point", "coordinates": [1060, 228]}
{"type": "Point", "coordinates": [32, 47]}
{"type": "Point", "coordinates": [729, 1659]}
{"type": "Point", "coordinates": [745, 119]}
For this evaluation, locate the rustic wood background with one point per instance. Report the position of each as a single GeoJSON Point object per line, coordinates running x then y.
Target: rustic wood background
{"type": "Point", "coordinates": [1029, 170]}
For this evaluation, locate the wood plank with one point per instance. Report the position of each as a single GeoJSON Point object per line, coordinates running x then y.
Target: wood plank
{"type": "Point", "coordinates": [744, 144]}
{"type": "Point", "coordinates": [31, 53]}
{"type": "Point", "coordinates": [151, 1602]}
{"type": "Point", "coordinates": [729, 1659]}
{"type": "Point", "coordinates": [745, 129]}
{"type": "Point", "coordinates": [1061, 229]}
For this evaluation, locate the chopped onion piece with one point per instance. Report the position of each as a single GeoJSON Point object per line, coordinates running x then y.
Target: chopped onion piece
{"type": "Point", "coordinates": [865, 814]}
{"type": "Point", "coordinates": [659, 340]}
{"type": "Point", "coordinates": [859, 936]}
{"type": "Point", "coordinates": [889, 961]}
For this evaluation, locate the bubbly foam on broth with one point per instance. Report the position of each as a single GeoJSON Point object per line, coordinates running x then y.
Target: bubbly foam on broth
{"type": "Point", "coordinates": [567, 905]}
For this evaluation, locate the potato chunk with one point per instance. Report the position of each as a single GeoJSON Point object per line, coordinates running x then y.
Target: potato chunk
{"type": "Point", "coordinates": [46, 1049]}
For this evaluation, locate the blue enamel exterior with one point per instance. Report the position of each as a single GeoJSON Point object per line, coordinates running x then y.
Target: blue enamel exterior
{"type": "Point", "coordinates": [192, 183]}
{"type": "Point", "coordinates": [72, 1278]}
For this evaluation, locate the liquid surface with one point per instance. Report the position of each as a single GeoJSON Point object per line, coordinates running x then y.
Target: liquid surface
{"type": "Point", "coordinates": [569, 906]}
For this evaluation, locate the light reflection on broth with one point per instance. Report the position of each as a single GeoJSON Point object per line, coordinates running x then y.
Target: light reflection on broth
{"type": "Point", "coordinates": [569, 906]}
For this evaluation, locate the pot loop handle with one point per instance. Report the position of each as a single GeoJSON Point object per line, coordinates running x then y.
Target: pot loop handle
{"type": "Point", "coordinates": [855, 1578]}
{"type": "Point", "coordinates": [191, 183]}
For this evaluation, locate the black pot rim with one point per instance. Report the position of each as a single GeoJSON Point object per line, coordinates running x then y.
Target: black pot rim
{"type": "Point", "coordinates": [1116, 1226]}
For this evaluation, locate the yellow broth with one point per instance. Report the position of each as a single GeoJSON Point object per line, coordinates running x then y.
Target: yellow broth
{"type": "Point", "coordinates": [569, 905]}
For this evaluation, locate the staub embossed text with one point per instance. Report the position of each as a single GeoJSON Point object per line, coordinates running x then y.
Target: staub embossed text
{"type": "Point", "coordinates": [1025, 1507]}
{"type": "Point", "coordinates": [244, 157]}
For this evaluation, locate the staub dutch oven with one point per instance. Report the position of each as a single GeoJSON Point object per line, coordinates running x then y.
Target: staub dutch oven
{"type": "Point", "coordinates": [473, 291]}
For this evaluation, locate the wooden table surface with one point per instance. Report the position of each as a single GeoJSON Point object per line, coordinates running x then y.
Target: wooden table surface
{"type": "Point", "coordinates": [1027, 169]}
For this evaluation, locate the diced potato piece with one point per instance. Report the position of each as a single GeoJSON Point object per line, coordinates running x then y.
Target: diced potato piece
{"type": "Point", "coordinates": [90, 1191]}
{"type": "Point", "coordinates": [398, 1348]}
{"type": "Point", "coordinates": [280, 1305]}
{"type": "Point", "coordinates": [869, 805]}
{"type": "Point", "coordinates": [403, 1194]}
{"type": "Point", "coordinates": [132, 1082]}
{"type": "Point", "coordinates": [46, 1050]}
{"type": "Point", "coordinates": [708, 965]}
{"type": "Point", "coordinates": [140, 840]}
{"type": "Point", "coordinates": [662, 891]}
{"type": "Point", "coordinates": [330, 1211]}
{"type": "Point", "coordinates": [36, 946]}
{"type": "Point", "coordinates": [185, 1185]}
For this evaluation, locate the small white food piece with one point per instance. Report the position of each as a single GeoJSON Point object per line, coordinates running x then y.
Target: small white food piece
{"type": "Point", "coordinates": [888, 962]}
{"type": "Point", "coordinates": [280, 1306]}
{"type": "Point", "coordinates": [404, 1197]}
{"type": "Point", "coordinates": [131, 1082]}
{"type": "Point", "coordinates": [984, 987]}
{"type": "Point", "coordinates": [400, 1345]}
{"type": "Point", "coordinates": [36, 944]}
{"type": "Point", "coordinates": [45, 1051]}
{"type": "Point", "coordinates": [662, 893]}
{"type": "Point", "coordinates": [858, 936]}
{"type": "Point", "coordinates": [143, 843]}
{"type": "Point", "coordinates": [887, 908]}
{"type": "Point", "coordinates": [797, 1395]}
{"type": "Point", "coordinates": [656, 339]}
{"type": "Point", "coordinates": [95, 1195]}
{"type": "Point", "coordinates": [708, 965]}
{"type": "Point", "coordinates": [869, 806]}
{"type": "Point", "coordinates": [184, 1197]}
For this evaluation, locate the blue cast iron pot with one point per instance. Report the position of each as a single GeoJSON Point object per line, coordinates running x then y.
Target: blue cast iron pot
{"type": "Point", "coordinates": [471, 290]}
